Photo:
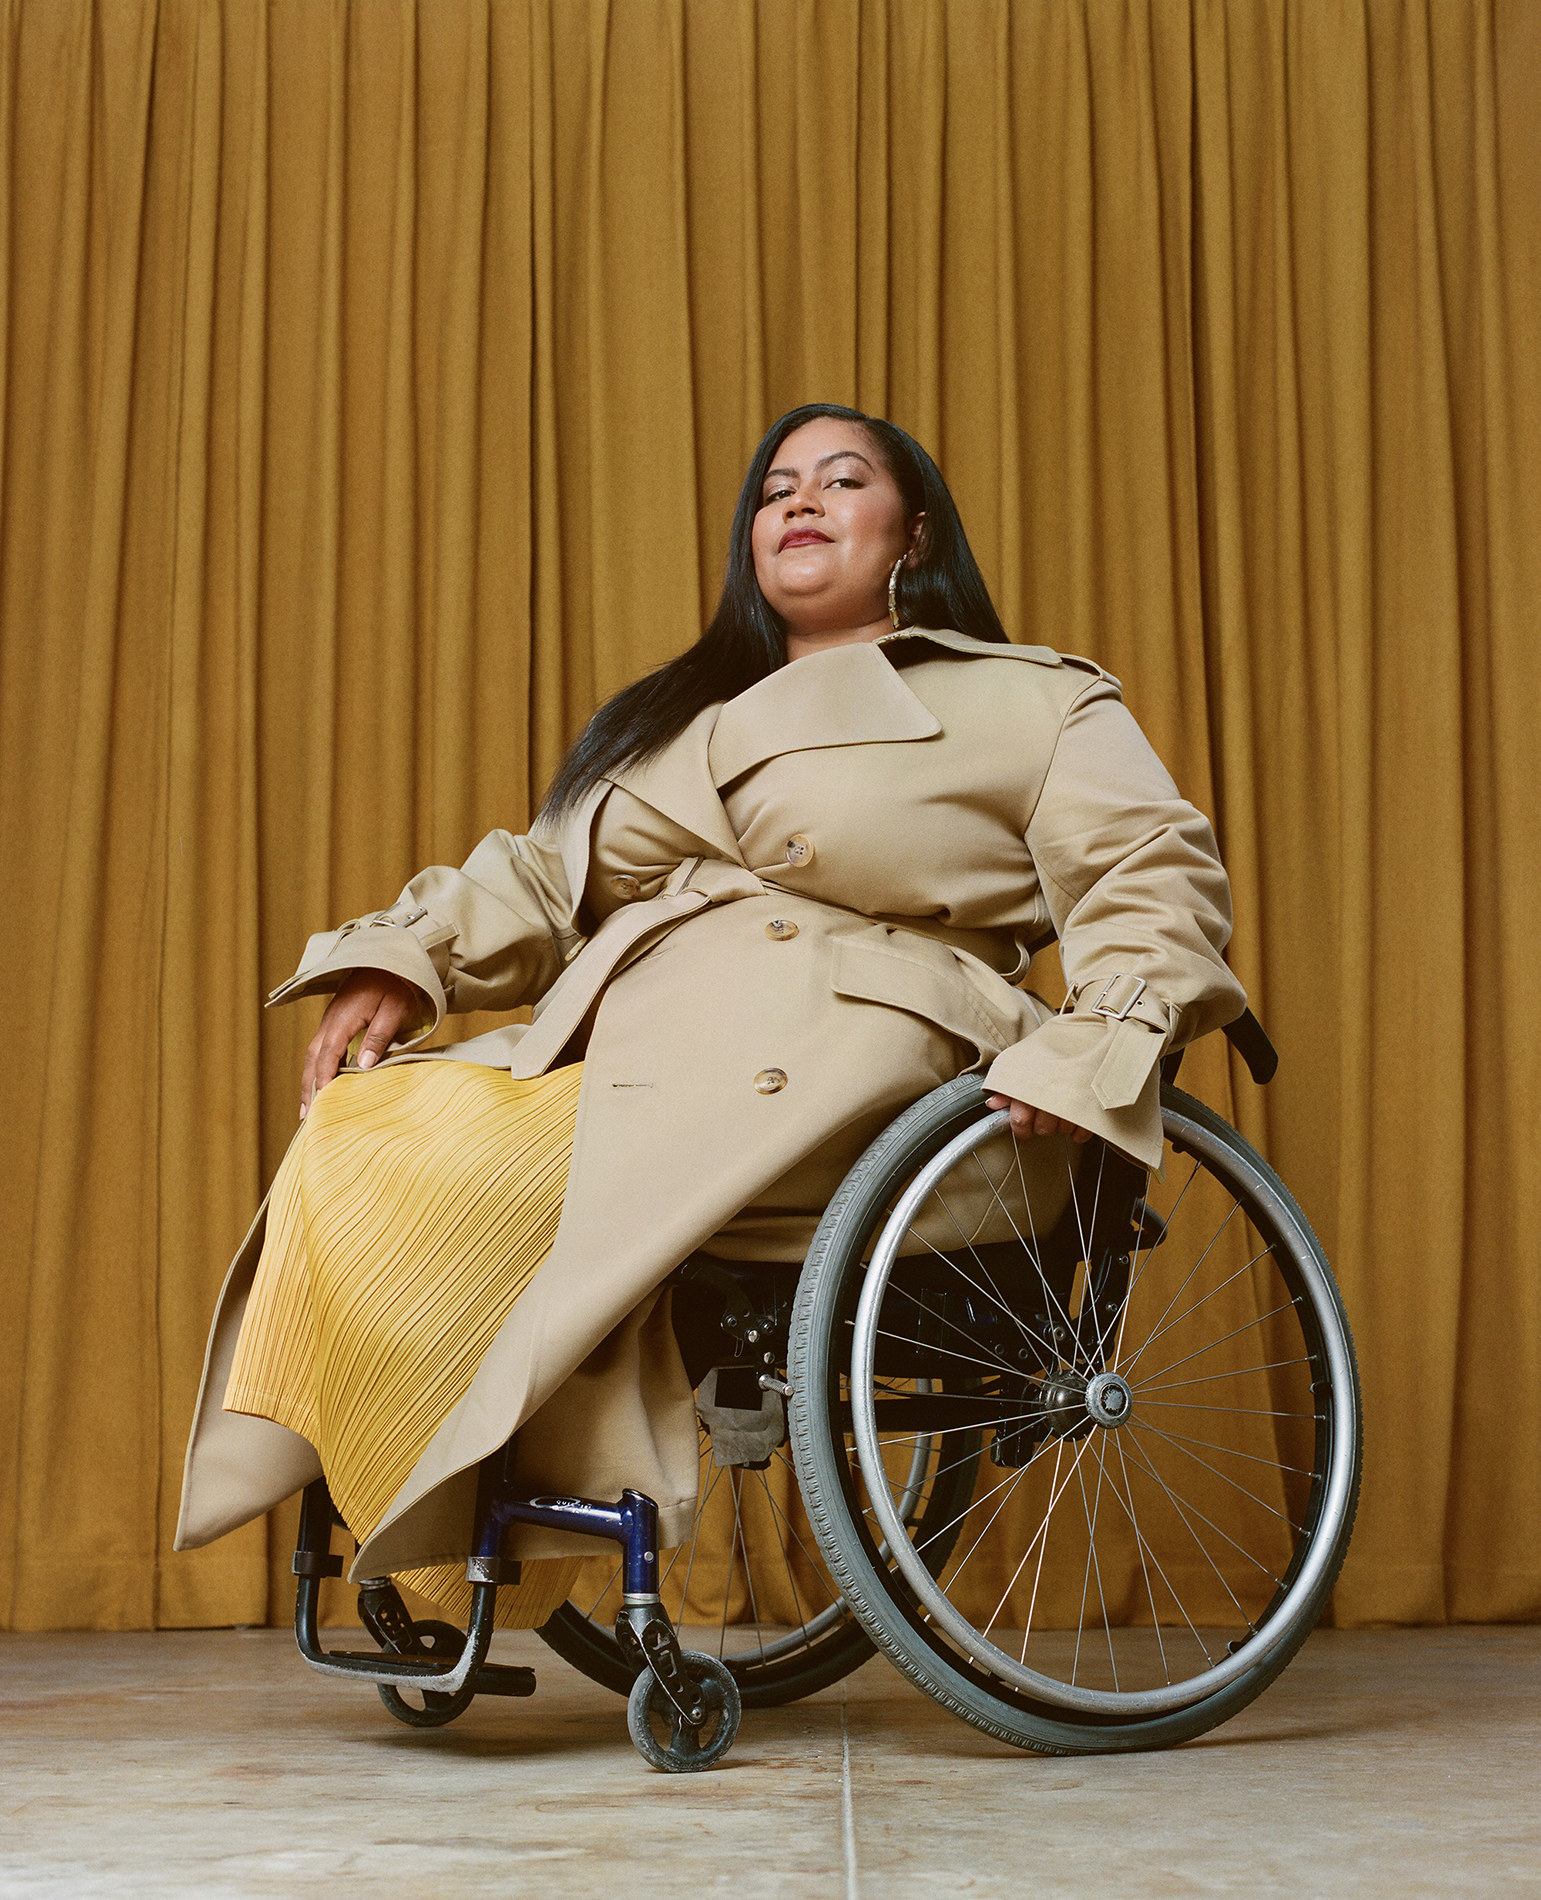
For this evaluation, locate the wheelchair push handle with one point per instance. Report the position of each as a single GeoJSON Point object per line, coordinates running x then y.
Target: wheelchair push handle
{"type": "Point", "coordinates": [1249, 1039]}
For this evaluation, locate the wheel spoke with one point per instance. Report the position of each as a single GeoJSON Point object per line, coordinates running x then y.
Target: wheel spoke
{"type": "Point", "coordinates": [983, 1422]}
{"type": "Point", "coordinates": [1208, 1378]}
{"type": "Point", "coordinates": [1181, 1504]}
{"type": "Point", "coordinates": [1168, 1221]}
{"type": "Point", "coordinates": [1086, 1578]}
{"type": "Point", "coordinates": [1234, 1333]}
{"type": "Point", "coordinates": [1027, 1242]}
{"type": "Point", "coordinates": [727, 1575]}
{"type": "Point", "coordinates": [695, 1542]}
{"type": "Point", "coordinates": [914, 1438]}
{"type": "Point", "coordinates": [1145, 1544]}
{"type": "Point", "coordinates": [1214, 1241]}
{"type": "Point", "coordinates": [754, 1607]}
{"type": "Point", "coordinates": [1042, 1529]}
{"type": "Point", "coordinates": [1101, 1598]}
{"type": "Point", "coordinates": [1090, 1292]}
{"type": "Point", "coordinates": [1241, 1411]}
{"type": "Point", "coordinates": [1224, 1477]}
{"type": "Point", "coordinates": [990, 1365]}
{"type": "Point", "coordinates": [1043, 1551]}
{"type": "Point", "coordinates": [1034, 1251]}
{"type": "Point", "coordinates": [1230, 1451]}
{"type": "Point", "coordinates": [952, 1326]}
{"type": "Point", "coordinates": [609, 1585]}
{"type": "Point", "coordinates": [1139, 1545]}
{"type": "Point", "coordinates": [1121, 1315]}
{"type": "Point", "coordinates": [1188, 1311]}
{"type": "Point", "coordinates": [994, 1292]}
{"type": "Point", "coordinates": [1203, 1547]}
{"type": "Point", "coordinates": [1008, 1485]}
{"type": "Point", "coordinates": [1075, 1199]}
{"type": "Point", "coordinates": [786, 1556]}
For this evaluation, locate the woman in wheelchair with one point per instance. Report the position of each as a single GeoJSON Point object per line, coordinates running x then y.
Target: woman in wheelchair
{"type": "Point", "coordinates": [1018, 1363]}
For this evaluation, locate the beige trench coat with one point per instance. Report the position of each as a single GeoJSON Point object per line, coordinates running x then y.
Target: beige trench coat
{"type": "Point", "coordinates": [926, 810]}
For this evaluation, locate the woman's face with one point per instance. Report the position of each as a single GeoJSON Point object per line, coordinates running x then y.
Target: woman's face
{"type": "Point", "coordinates": [830, 526]}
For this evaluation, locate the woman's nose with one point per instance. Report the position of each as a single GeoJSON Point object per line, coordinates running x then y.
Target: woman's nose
{"type": "Point", "coordinates": [802, 505]}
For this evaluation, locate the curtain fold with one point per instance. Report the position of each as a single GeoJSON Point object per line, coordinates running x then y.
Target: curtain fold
{"type": "Point", "coordinates": [376, 386]}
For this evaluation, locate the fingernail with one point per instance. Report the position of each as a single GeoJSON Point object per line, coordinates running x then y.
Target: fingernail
{"type": "Point", "coordinates": [368, 1059]}
{"type": "Point", "coordinates": [302, 1111]}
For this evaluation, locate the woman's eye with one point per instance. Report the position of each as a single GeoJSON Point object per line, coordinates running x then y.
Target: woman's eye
{"type": "Point", "coordinates": [845, 481]}
{"type": "Point", "coordinates": [775, 495]}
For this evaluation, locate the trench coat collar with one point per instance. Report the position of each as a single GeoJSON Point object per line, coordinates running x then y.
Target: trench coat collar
{"type": "Point", "coordinates": [966, 643]}
{"type": "Point", "coordinates": [848, 696]}
{"type": "Point", "coordinates": [854, 696]}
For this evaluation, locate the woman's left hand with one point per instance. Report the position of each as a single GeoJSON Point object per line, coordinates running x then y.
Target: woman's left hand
{"type": "Point", "coordinates": [1027, 1120]}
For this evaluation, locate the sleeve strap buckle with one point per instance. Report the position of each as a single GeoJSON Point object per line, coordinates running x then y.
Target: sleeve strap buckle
{"type": "Point", "coordinates": [1114, 1011]}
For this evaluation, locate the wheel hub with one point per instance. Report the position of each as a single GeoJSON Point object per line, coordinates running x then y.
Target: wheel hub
{"type": "Point", "coordinates": [1109, 1400]}
{"type": "Point", "coordinates": [1063, 1398]}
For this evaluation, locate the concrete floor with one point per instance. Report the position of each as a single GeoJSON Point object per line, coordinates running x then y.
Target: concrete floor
{"type": "Point", "coordinates": [214, 1763]}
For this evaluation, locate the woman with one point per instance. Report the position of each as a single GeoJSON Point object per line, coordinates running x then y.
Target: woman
{"type": "Point", "coordinates": [780, 888]}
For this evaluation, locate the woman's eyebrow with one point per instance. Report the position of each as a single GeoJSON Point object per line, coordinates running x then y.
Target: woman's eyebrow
{"type": "Point", "coordinates": [834, 456]}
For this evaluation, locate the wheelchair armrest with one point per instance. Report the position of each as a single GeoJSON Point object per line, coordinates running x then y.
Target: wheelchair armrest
{"type": "Point", "coordinates": [1250, 1041]}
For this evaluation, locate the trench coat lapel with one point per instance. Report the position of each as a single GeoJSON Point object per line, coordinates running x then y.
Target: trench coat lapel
{"type": "Point", "coordinates": [574, 842]}
{"type": "Point", "coordinates": [854, 697]}
{"type": "Point", "coordinates": [678, 783]}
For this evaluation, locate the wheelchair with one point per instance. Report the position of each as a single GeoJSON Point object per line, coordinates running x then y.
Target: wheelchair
{"type": "Point", "coordinates": [1074, 1443]}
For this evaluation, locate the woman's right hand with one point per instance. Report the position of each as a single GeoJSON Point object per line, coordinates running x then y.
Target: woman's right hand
{"type": "Point", "coordinates": [371, 1000]}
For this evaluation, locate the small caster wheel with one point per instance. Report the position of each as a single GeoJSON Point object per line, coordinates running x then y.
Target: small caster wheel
{"type": "Point", "coordinates": [436, 1639]}
{"type": "Point", "coordinates": [664, 1739]}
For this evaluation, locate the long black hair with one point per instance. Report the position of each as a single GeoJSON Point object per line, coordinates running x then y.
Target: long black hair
{"type": "Point", "coordinates": [746, 639]}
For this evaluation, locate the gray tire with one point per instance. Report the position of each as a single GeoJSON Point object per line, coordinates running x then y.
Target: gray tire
{"type": "Point", "coordinates": [926, 1626]}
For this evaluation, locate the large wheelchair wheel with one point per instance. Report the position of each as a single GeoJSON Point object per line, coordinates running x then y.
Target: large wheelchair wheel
{"type": "Point", "coordinates": [750, 1583]}
{"type": "Point", "coordinates": [1163, 1373]}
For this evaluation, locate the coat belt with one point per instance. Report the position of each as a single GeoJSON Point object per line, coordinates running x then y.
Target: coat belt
{"type": "Point", "coordinates": [695, 885]}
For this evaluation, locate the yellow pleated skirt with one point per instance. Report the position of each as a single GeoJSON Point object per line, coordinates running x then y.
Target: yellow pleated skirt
{"type": "Point", "coordinates": [409, 1214]}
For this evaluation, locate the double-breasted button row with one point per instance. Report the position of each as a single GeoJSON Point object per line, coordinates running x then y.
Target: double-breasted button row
{"type": "Point", "coordinates": [625, 886]}
{"type": "Point", "coordinates": [781, 930]}
{"type": "Point", "coordinates": [799, 849]}
{"type": "Point", "coordinates": [771, 1081]}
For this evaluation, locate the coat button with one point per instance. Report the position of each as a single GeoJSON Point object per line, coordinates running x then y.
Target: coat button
{"type": "Point", "coordinates": [799, 849]}
{"type": "Point", "coordinates": [769, 1081]}
{"type": "Point", "coordinates": [781, 930]}
{"type": "Point", "coordinates": [625, 886]}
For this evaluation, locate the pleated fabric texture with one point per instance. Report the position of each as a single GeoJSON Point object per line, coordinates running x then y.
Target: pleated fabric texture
{"type": "Point", "coordinates": [409, 1214]}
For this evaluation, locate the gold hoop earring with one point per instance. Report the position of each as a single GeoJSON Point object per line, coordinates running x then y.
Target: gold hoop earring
{"type": "Point", "coordinates": [893, 595]}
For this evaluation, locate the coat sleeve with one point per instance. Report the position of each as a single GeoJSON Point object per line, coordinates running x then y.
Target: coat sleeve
{"type": "Point", "coordinates": [492, 935]}
{"type": "Point", "coordinates": [1141, 903]}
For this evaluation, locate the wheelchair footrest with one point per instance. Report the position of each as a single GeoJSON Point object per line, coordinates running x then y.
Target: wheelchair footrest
{"type": "Point", "coordinates": [381, 1665]}
{"type": "Point", "coordinates": [503, 1679]}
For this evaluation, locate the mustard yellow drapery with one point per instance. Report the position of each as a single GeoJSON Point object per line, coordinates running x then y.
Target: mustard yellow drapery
{"type": "Point", "coordinates": [377, 380]}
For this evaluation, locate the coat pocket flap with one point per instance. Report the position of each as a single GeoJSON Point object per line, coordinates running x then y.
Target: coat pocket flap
{"type": "Point", "coordinates": [922, 977]}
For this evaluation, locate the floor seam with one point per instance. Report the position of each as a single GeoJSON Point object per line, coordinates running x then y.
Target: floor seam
{"type": "Point", "coordinates": [847, 1808]}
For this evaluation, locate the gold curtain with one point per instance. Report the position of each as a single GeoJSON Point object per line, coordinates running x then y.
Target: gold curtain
{"type": "Point", "coordinates": [377, 382]}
